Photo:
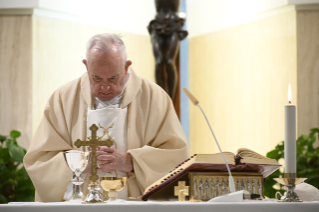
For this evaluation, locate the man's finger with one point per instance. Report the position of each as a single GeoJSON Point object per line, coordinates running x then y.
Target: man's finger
{"type": "Point", "coordinates": [107, 149]}
{"type": "Point", "coordinates": [109, 158]}
{"type": "Point", "coordinates": [102, 148]}
{"type": "Point", "coordinates": [101, 162]}
{"type": "Point", "coordinates": [99, 152]}
{"type": "Point", "coordinates": [107, 167]}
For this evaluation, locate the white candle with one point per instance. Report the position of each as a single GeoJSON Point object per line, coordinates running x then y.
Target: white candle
{"type": "Point", "coordinates": [290, 135]}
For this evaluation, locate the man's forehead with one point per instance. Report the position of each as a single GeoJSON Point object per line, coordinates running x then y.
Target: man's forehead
{"type": "Point", "coordinates": [98, 52]}
{"type": "Point", "coordinates": [104, 72]}
{"type": "Point", "coordinates": [97, 56]}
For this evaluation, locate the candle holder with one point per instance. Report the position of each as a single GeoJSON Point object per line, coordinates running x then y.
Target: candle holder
{"type": "Point", "coordinates": [290, 181]}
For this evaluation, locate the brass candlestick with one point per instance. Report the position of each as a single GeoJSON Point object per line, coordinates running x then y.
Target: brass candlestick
{"type": "Point", "coordinates": [290, 181]}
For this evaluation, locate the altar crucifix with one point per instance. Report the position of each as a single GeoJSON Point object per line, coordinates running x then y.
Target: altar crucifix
{"type": "Point", "coordinates": [94, 143]}
{"type": "Point", "coordinates": [181, 191]}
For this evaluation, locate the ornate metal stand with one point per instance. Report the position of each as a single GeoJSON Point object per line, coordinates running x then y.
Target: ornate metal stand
{"type": "Point", "coordinates": [94, 196]}
{"type": "Point", "coordinates": [289, 182]}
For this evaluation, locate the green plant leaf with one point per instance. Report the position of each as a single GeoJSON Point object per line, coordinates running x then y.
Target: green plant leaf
{"type": "Point", "coordinates": [15, 134]}
{"type": "Point", "coordinates": [3, 199]}
{"type": "Point", "coordinates": [280, 146]}
{"type": "Point", "coordinates": [272, 154]}
{"type": "Point", "coordinates": [301, 172]}
{"type": "Point", "coordinates": [301, 141]}
{"type": "Point", "coordinates": [17, 153]}
{"type": "Point", "coordinates": [15, 183]}
{"type": "Point", "coordinates": [12, 181]}
{"type": "Point", "coordinates": [314, 131]}
{"type": "Point", "coordinates": [24, 189]}
{"type": "Point", "coordinates": [310, 144]}
{"type": "Point", "coordinates": [2, 138]}
{"type": "Point", "coordinates": [5, 156]}
{"type": "Point", "coordinates": [269, 190]}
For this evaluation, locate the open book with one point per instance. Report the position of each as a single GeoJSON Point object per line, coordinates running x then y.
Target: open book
{"type": "Point", "coordinates": [245, 160]}
{"type": "Point", "coordinates": [243, 155]}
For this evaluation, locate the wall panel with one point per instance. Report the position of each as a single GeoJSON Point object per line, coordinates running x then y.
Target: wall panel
{"type": "Point", "coordinates": [16, 76]}
{"type": "Point", "coordinates": [308, 70]}
{"type": "Point", "coordinates": [240, 75]}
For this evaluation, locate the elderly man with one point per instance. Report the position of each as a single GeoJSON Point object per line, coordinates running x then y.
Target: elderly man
{"type": "Point", "coordinates": [148, 136]}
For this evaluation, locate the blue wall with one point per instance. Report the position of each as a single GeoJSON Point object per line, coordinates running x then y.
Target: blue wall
{"type": "Point", "coordinates": [184, 77]}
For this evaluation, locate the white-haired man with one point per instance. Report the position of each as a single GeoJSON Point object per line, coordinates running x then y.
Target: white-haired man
{"type": "Point", "coordinates": [149, 138]}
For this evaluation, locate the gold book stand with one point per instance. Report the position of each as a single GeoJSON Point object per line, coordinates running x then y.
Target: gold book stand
{"type": "Point", "coordinates": [203, 186]}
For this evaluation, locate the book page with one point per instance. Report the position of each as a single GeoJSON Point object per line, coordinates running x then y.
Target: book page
{"type": "Point", "coordinates": [249, 156]}
{"type": "Point", "coordinates": [216, 158]}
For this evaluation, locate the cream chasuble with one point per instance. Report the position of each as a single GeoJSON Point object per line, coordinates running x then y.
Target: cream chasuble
{"type": "Point", "coordinates": [155, 138]}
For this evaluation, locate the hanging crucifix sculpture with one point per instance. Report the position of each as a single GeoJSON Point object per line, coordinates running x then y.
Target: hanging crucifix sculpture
{"type": "Point", "coordinates": [166, 31]}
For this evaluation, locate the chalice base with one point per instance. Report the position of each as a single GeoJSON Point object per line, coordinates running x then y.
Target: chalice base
{"type": "Point", "coordinates": [94, 195]}
{"type": "Point", "coordinates": [113, 195]}
{"type": "Point", "coordinates": [77, 193]}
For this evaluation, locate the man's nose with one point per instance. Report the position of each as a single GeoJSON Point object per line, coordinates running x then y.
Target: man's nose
{"type": "Point", "coordinates": [105, 87]}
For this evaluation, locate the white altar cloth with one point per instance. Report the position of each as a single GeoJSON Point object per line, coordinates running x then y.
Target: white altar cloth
{"type": "Point", "coordinates": [150, 206]}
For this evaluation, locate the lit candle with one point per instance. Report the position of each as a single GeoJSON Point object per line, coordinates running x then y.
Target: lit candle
{"type": "Point", "coordinates": [290, 135]}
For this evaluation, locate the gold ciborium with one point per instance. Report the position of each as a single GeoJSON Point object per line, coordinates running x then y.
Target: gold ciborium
{"type": "Point", "coordinates": [113, 185]}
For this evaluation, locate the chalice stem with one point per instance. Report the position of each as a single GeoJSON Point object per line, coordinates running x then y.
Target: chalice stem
{"type": "Point", "coordinates": [77, 193]}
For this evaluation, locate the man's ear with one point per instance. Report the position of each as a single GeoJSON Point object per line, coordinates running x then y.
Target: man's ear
{"type": "Point", "coordinates": [127, 65]}
{"type": "Point", "coordinates": [85, 62]}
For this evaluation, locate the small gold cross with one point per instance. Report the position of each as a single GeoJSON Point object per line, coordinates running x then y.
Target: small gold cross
{"type": "Point", "coordinates": [181, 191]}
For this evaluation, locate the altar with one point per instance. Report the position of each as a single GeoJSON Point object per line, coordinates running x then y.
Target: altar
{"type": "Point", "coordinates": [146, 206]}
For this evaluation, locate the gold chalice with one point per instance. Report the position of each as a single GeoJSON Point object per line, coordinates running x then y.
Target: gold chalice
{"type": "Point", "coordinates": [113, 185]}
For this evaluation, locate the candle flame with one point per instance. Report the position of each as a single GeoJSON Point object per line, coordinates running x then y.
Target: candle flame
{"type": "Point", "coordinates": [289, 94]}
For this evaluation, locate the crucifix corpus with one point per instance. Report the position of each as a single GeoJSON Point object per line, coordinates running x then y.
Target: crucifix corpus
{"type": "Point", "coordinates": [94, 143]}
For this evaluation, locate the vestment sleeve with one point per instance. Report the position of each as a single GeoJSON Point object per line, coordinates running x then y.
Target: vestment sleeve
{"type": "Point", "coordinates": [164, 139]}
{"type": "Point", "coordinates": [44, 160]}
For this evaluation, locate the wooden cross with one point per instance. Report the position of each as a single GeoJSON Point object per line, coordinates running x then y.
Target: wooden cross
{"type": "Point", "coordinates": [181, 191]}
{"type": "Point", "coordinates": [94, 143]}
